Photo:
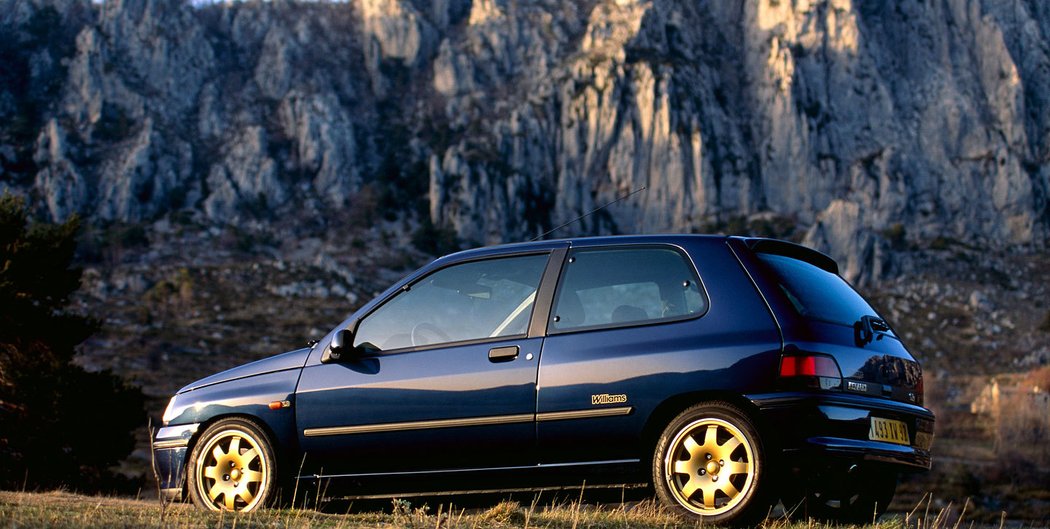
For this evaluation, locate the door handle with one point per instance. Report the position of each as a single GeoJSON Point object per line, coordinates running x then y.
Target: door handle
{"type": "Point", "coordinates": [503, 354]}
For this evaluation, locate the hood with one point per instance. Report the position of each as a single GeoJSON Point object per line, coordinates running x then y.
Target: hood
{"type": "Point", "coordinates": [290, 360]}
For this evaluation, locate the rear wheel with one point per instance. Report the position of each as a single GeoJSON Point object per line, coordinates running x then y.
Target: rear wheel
{"type": "Point", "coordinates": [710, 464]}
{"type": "Point", "coordinates": [232, 467]}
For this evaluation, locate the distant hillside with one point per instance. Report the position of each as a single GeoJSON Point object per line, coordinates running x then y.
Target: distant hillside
{"type": "Point", "coordinates": [851, 125]}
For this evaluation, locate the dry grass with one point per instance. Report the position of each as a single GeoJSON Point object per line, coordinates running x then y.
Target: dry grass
{"type": "Point", "coordinates": [66, 510]}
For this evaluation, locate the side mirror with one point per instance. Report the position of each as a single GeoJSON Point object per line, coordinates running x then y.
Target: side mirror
{"type": "Point", "coordinates": [341, 343]}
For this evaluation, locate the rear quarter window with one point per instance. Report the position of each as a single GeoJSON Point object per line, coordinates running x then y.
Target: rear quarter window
{"type": "Point", "coordinates": [620, 287]}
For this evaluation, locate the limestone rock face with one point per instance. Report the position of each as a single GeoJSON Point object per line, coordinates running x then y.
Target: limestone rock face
{"type": "Point", "coordinates": [234, 111]}
{"type": "Point", "coordinates": [322, 136]}
{"type": "Point", "coordinates": [247, 177]}
{"type": "Point", "coordinates": [147, 178]}
{"type": "Point", "coordinates": [853, 122]}
{"type": "Point", "coordinates": [849, 118]}
{"type": "Point", "coordinates": [62, 185]}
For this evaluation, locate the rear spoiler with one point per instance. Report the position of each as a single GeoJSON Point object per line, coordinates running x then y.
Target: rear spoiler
{"type": "Point", "coordinates": [796, 251]}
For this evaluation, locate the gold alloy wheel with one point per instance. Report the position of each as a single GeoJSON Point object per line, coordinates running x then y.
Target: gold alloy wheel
{"type": "Point", "coordinates": [231, 471]}
{"type": "Point", "coordinates": [710, 467]}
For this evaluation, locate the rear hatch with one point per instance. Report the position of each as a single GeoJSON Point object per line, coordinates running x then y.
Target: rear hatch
{"type": "Point", "coordinates": [831, 318]}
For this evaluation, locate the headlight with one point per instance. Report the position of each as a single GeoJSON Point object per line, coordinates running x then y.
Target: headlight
{"type": "Point", "coordinates": [168, 412]}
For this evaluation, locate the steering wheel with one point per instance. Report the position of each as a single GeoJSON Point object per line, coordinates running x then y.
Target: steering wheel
{"type": "Point", "coordinates": [424, 327]}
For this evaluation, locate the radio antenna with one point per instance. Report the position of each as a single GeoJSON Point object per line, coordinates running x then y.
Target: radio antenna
{"type": "Point", "coordinates": [589, 213]}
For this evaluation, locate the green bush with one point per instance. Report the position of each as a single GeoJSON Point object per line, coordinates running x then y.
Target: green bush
{"type": "Point", "coordinates": [896, 234]}
{"type": "Point", "coordinates": [59, 424]}
{"type": "Point", "coordinates": [435, 240]}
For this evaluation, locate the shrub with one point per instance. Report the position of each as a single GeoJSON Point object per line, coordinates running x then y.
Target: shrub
{"type": "Point", "coordinates": [59, 424]}
{"type": "Point", "coordinates": [177, 290]}
{"type": "Point", "coordinates": [109, 244]}
{"type": "Point", "coordinates": [435, 240]}
{"type": "Point", "coordinates": [896, 234]}
{"type": "Point", "coordinates": [113, 124]}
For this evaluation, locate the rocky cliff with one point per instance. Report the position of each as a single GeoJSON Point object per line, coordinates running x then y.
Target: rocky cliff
{"type": "Point", "coordinates": [854, 126]}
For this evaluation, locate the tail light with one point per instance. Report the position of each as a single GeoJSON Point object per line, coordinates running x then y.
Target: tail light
{"type": "Point", "coordinates": [812, 371]}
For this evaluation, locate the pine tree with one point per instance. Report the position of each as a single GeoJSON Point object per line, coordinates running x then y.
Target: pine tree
{"type": "Point", "coordinates": [59, 424]}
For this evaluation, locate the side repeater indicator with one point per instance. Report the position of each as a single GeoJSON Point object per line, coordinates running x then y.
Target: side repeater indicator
{"type": "Point", "coordinates": [606, 398]}
{"type": "Point", "coordinates": [278, 404]}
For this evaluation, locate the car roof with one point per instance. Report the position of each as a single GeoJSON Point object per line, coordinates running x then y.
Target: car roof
{"type": "Point", "coordinates": [759, 244]}
{"type": "Point", "coordinates": [671, 238]}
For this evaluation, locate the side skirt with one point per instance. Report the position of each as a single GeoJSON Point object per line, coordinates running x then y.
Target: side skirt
{"type": "Point", "coordinates": [622, 473]}
{"type": "Point", "coordinates": [446, 493]}
{"type": "Point", "coordinates": [540, 467]}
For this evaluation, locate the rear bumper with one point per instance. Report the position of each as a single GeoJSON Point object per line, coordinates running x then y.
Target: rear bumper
{"type": "Point", "coordinates": [831, 430]}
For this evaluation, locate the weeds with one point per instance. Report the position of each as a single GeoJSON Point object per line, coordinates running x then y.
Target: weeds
{"type": "Point", "coordinates": [156, 475]}
{"type": "Point", "coordinates": [66, 510]}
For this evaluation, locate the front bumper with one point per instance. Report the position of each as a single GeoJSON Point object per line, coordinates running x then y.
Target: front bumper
{"type": "Point", "coordinates": [833, 430]}
{"type": "Point", "coordinates": [169, 458]}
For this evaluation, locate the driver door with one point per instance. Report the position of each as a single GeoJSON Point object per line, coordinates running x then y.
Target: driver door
{"type": "Point", "coordinates": [444, 377]}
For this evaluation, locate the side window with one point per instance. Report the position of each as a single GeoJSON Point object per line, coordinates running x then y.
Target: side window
{"type": "Point", "coordinates": [626, 286]}
{"type": "Point", "coordinates": [469, 301]}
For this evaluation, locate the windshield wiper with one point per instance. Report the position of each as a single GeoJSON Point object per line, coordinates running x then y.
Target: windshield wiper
{"type": "Point", "coordinates": [865, 329]}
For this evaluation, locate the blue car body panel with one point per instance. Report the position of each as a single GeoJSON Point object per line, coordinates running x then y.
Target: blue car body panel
{"type": "Point", "coordinates": [281, 362]}
{"type": "Point", "coordinates": [437, 384]}
{"type": "Point", "coordinates": [589, 397]}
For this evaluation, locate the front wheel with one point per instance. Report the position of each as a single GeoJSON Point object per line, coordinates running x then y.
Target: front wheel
{"type": "Point", "coordinates": [710, 464]}
{"type": "Point", "coordinates": [232, 467]}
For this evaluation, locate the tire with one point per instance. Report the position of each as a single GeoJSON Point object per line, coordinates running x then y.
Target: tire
{"type": "Point", "coordinates": [710, 465]}
{"type": "Point", "coordinates": [232, 467]}
{"type": "Point", "coordinates": [854, 499]}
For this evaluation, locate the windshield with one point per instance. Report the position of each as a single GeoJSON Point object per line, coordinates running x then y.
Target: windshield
{"type": "Point", "coordinates": [817, 293]}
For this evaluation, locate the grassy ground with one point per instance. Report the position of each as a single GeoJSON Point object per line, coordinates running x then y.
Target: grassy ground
{"type": "Point", "coordinates": [65, 510]}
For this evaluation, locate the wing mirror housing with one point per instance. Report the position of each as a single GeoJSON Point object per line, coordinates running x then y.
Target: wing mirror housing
{"type": "Point", "coordinates": [341, 346]}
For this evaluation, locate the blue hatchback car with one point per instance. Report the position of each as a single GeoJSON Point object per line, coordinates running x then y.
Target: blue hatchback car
{"type": "Point", "coordinates": [729, 373]}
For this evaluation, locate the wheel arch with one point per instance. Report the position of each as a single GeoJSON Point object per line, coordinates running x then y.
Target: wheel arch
{"type": "Point", "coordinates": [279, 451]}
{"type": "Point", "coordinates": [667, 410]}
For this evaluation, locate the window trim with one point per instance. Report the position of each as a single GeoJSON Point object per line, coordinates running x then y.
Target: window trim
{"type": "Point", "coordinates": [551, 331]}
{"type": "Point", "coordinates": [473, 341]}
{"type": "Point", "coordinates": [444, 345]}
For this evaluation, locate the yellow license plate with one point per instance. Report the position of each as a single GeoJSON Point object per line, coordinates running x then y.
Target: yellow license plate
{"type": "Point", "coordinates": [889, 430]}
